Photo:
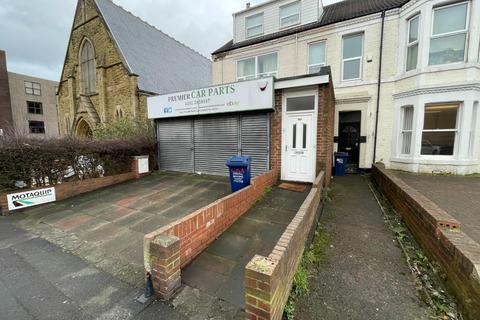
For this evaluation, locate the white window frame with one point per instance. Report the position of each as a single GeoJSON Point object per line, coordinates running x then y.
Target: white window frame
{"type": "Point", "coordinates": [403, 131]}
{"type": "Point", "coordinates": [411, 44]}
{"type": "Point", "coordinates": [456, 130]}
{"type": "Point", "coordinates": [257, 74]}
{"type": "Point", "coordinates": [350, 35]}
{"type": "Point", "coordinates": [463, 31]}
{"type": "Point", "coordinates": [316, 64]}
{"type": "Point", "coordinates": [255, 26]}
{"type": "Point", "coordinates": [31, 85]}
{"type": "Point", "coordinates": [473, 130]}
{"type": "Point", "coordinates": [281, 18]}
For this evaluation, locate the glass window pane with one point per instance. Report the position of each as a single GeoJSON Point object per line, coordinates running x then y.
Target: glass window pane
{"type": "Point", "coordinates": [316, 53]}
{"type": "Point", "coordinates": [290, 9]}
{"type": "Point", "coordinates": [36, 85]}
{"type": "Point", "coordinates": [352, 46]}
{"type": "Point", "coordinates": [304, 136]}
{"type": "Point", "coordinates": [413, 31]}
{"type": "Point", "coordinates": [438, 143]}
{"type": "Point", "coordinates": [440, 117]}
{"type": "Point", "coordinates": [254, 20]}
{"type": "Point", "coordinates": [450, 19]}
{"type": "Point", "coordinates": [412, 57]}
{"type": "Point", "coordinates": [246, 68]}
{"type": "Point", "coordinates": [301, 103]}
{"type": "Point", "coordinates": [407, 118]}
{"type": "Point", "coordinates": [294, 133]}
{"type": "Point", "coordinates": [406, 142]}
{"type": "Point", "coordinates": [351, 69]}
{"type": "Point", "coordinates": [447, 49]}
{"type": "Point", "coordinates": [254, 31]}
{"type": "Point", "coordinates": [290, 21]}
{"type": "Point", "coordinates": [267, 63]}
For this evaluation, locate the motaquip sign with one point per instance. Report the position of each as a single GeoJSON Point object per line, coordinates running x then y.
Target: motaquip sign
{"type": "Point", "coordinates": [30, 198]}
{"type": "Point", "coordinates": [233, 97]}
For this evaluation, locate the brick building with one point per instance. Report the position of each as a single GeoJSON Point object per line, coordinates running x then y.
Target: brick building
{"type": "Point", "coordinates": [114, 61]}
{"type": "Point", "coordinates": [28, 105]}
{"type": "Point", "coordinates": [281, 123]}
{"type": "Point", "coordinates": [406, 83]}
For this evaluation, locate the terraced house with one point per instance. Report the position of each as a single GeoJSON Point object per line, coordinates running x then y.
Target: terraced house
{"type": "Point", "coordinates": [406, 73]}
{"type": "Point", "coordinates": [114, 61]}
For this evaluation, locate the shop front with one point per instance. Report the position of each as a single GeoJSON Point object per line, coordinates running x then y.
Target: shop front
{"type": "Point", "coordinates": [275, 121]}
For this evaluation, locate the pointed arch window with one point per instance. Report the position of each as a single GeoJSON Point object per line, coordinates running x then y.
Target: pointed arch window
{"type": "Point", "coordinates": [87, 62]}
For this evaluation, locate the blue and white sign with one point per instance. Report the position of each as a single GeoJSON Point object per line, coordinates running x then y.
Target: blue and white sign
{"type": "Point", "coordinates": [233, 97]}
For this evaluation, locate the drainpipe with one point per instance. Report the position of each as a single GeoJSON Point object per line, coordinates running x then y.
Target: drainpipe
{"type": "Point", "coordinates": [378, 89]}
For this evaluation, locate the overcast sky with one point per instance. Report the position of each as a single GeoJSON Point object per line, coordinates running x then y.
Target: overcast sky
{"type": "Point", "coordinates": [34, 33]}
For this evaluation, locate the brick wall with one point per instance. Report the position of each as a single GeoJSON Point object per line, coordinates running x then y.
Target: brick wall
{"type": "Point", "coordinates": [192, 234]}
{"type": "Point", "coordinates": [440, 236]}
{"type": "Point", "coordinates": [70, 189]}
{"type": "Point", "coordinates": [268, 280]}
{"type": "Point", "coordinates": [6, 120]}
{"type": "Point", "coordinates": [325, 131]}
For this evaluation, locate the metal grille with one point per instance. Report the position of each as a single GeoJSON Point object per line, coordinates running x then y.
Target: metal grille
{"type": "Point", "coordinates": [205, 144]}
{"type": "Point", "coordinates": [175, 145]}
{"type": "Point", "coordinates": [255, 141]}
{"type": "Point", "coordinates": [216, 139]}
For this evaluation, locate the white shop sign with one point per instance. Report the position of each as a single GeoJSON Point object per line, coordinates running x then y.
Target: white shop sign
{"type": "Point", "coordinates": [30, 198]}
{"type": "Point", "coordinates": [233, 97]}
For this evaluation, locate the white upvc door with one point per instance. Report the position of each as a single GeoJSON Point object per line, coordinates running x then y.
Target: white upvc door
{"type": "Point", "coordinates": [299, 143]}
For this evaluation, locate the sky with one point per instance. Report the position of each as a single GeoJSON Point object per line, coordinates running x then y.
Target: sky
{"type": "Point", "coordinates": [35, 33]}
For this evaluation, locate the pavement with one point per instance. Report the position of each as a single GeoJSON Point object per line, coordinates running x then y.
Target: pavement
{"type": "Point", "coordinates": [106, 227]}
{"type": "Point", "coordinates": [457, 195]}
{"type": "Point", "coordinates": [219, 270]}
{"type": "Point", "coordinates": [365, 275]}
{"type": "Point", "coordinates": [39, 280]}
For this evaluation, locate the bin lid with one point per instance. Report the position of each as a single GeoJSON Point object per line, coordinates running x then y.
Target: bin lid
{"type": "Point", "coordinates": [239, 161]}
{"type": "Point", "coordinates": [341, 154]}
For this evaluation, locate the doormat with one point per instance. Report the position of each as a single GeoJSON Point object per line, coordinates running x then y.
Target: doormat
{"type": "Point", "coordinates": [293, 187]}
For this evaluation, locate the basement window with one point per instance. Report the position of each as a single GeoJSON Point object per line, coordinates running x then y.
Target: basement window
{"type": "Point", "coordinates": [36, 126]}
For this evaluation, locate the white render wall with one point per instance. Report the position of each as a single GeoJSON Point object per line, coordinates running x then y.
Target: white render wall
{"type": "Point", "coordinates": [362, 94]}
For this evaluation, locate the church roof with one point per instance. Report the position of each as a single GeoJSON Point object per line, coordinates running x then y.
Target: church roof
{"type": "Point", "coordinates": [162, 63]}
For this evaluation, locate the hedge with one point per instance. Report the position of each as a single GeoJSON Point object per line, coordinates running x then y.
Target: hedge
{"type": "Point", "coordinates": [26, 162]}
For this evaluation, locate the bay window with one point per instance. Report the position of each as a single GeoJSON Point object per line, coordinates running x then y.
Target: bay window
{"type": "Point", "coordinates": [316, 57]}
{"type": "Point", "coordinates": [290, 14]}
{"type": "Point", "coordinates": [407, 130]}
{"type": "Point", "coordinates": [352, 57]}
{"type": "Point", "coordinates": [412, 43]}
{"type": "Point", "coordinates": [257, 67]}
{"type": "Point", "coordinates": [449, 34]}
{"type": "Point", "coordinates": [254, 25]}
{"type": "Point", "coordinates": [439, 129]}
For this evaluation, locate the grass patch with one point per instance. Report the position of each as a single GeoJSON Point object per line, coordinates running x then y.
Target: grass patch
{"type": "Point", "coordinates": [312, 260]}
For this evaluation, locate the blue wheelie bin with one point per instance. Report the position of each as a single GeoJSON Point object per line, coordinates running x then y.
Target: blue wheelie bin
{"type": "Point", "coordinates": [240, 172]}
{"type": "Point", "coordinates": [341, 159]}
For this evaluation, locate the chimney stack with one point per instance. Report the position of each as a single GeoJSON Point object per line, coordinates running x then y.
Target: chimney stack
{"type": "Point", "coordinates": [248, 5]}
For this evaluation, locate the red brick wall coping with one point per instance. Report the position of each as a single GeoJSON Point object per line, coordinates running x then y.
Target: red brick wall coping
{"type": "Point", "coordinates": [70, 189]}
{"type": "Point", "coordinates": [440, 236]}
{"type": "Point", "coordinates": [175, 245]}
{"type": "Point", "coordinates": [268, 280]}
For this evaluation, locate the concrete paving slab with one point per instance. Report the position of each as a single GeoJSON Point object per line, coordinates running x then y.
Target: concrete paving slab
{"type": "Point", "coordinates": [219, 270]}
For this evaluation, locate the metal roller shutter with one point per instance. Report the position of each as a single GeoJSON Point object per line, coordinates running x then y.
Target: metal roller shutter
{"type": "Point", "coordinates": [216, 139]}
{"type": "Point", "coordinates": [175, 144]}
{"type": "Point", "coordinates": [255, 140]}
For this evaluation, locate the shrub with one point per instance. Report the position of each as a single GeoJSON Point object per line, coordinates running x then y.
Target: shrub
{"type": "Point", "coordinates": [35, 162]}
{"type": "Point", "coordinates": [124, 128]}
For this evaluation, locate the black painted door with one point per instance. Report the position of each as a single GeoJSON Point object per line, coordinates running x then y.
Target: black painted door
{"type": "Point", "coordinates": [349, 141]}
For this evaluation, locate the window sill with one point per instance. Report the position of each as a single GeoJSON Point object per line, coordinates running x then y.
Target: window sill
{"type": "Point", "coordinates": [89, 94]}
{"type": "Point", "coordinates": [437, 68]}
{"type": "Point", "coordinates": [441, 160]}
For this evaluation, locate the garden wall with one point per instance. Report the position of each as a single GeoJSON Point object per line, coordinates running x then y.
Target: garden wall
{"type": "Point", "coordinates": [268, 280]}
{"type": "Point", "coordinates": [70, 189]}
{"type": "Point", "coordinates": [440, 236]}
{"type": "Point", "coordinates": [174, 246]}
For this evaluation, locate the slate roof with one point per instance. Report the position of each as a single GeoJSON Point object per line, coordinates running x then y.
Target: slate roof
{"type": "Point", "coordinates": [162, 63]}
{"type": "Point", "coordinates": [337, 12]}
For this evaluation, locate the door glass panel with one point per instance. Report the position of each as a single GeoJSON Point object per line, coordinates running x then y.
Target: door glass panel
{"type": "Point", "coordinates": [294, 133]}
{"type": "Point", "coordinates": [304, 136]}
{"type": "Point", "coordinates": [301, 103]}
